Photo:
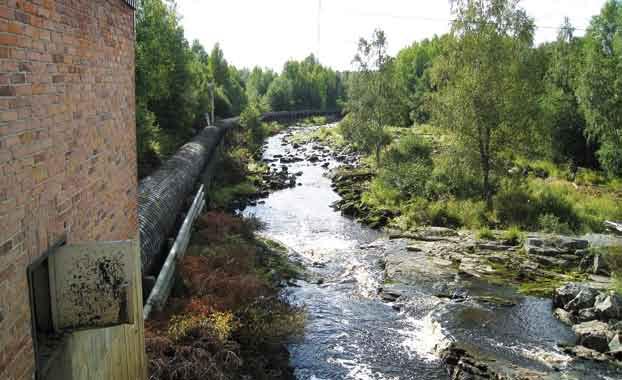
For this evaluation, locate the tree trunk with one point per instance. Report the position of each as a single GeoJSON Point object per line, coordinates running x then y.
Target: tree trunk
{"type": "Point", "coordinates": [378, 156]}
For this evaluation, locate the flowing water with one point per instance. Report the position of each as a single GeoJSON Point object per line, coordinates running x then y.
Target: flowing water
{"type": "Point", "coordinates": [352, 334]}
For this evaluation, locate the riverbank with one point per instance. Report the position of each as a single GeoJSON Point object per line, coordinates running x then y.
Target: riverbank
{"type": "Point", "coordinates": [488, 269]}
{"type": "Point", "coordinates": [226, 318]}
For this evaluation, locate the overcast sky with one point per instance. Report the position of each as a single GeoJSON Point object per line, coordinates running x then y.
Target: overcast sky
{"type": "Point", "coordinates": [269, 32]}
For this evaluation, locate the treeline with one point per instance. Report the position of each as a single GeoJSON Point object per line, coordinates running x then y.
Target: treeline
{"type": "Point", "coordinates": [505, 133]}
{"type": "Point", "coordinates": [175, 80]}
{"type": "Point", "coordinates": [572, 85]}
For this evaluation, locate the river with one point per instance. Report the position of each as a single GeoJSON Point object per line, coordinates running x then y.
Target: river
{"type": "Point", "coordinates": [352, 334]}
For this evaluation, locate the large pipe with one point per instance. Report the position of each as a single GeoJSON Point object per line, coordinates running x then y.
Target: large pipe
{"type": "Point", "coordinates": [161, 196]}
{"type": "Point", "coordinates": [160, 292]}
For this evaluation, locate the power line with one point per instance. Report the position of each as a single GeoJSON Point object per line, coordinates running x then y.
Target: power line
{"type": "Point", "coordinates": [429, 19]}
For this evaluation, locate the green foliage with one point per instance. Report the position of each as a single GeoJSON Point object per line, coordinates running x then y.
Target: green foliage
{"type": "Point", "coordinates": [374, 97]}
{"type": "Point", "coordinates": [551, 223]}
{"type": "Point", "coordinates": [304, 85]}
{"type": "Point", "coordinates": [514, 236]}
{"type": "Point", "coordinates": [444, 213]}
{"type": "Point", "coordinates": [407, 166]}
{"type": "Point", "coordinates": [485, 233]}
{"type": "Point", "coordinates": [412, 71]}
{"type": "Point", "coordinates": [560, 101]}
{"type": "Point", "coordinates": [613, 257]}
{"type": "Point", "coordinates": [483, 93]}
{"type": "Point", "coordinates": [601, 85]}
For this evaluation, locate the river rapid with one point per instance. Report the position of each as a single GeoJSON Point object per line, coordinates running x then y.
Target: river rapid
{"type": "Point", "coordinates": [351, 333]}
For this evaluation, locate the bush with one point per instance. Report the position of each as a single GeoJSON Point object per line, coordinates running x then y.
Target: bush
{"type": "Point", "coordinates": [485, 233]}
{"type": "Point", "coordinates": [453, 175]}
{"type": "Point", "coordinates": [446, 213]}
{"type": "Point", "coordinates": [550, 223]}
{"type": "Point", "coordinates": [407, 166]}
{"type": "Point", "coordinates": [219, 325]}
{"type": "Point", "coordinates": [513, 205]}
{"type": "Point", "coordinates": [514, 236]}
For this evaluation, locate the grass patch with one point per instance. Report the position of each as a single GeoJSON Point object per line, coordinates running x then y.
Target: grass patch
{"type": "Point", "coordinates": [485, 233]}
{"type": "Point", "coordinates": [513, 236]}
{"type": "Point", "coordinates": [222, 197]}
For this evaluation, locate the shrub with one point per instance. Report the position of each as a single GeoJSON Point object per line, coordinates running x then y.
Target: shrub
{"type": "Point", "coordinates": [485, 233]}
{"type": "Point", "coordinates": [218, 325]}
{"type": "Point", "coordinates": [514, 235]}
{"type": "Point", "coordinates": [453, 175]}
{"type": "Point", "coordinates": [513, 205]}
{"type": "Point", "coordinates": [550, 223]}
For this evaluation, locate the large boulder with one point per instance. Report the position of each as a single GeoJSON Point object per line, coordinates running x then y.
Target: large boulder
{"type": "Point", "coordinates": [593, 334]}
{"type": "Point", "coordinates": [600, 266]}
{"type": "Point", "coordinates": [586, 315]}
{"type": "Point", "coordinates": [608, 306]}
{"type": "Point", "coordinates": [563, 295]}
{"type": "Point", "coordinates": [615, 345]}
{"type": "Point", "coordinates": [564, 316]}
{"type": "Point", "coordinates": [584, 300]}
{"type": "Point", "coordinates": [553, 246]}
{"type": "Point", "coordinates": [569, 244]}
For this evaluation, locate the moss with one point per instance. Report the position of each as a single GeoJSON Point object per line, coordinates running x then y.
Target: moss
{"type": "Point", "coordinates": [222, 197]}
{"type": "Point", "coordinates": [274, 263]}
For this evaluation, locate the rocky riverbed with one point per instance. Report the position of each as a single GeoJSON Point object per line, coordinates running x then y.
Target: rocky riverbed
{"type": "Point", "coordinates": [485, 309]}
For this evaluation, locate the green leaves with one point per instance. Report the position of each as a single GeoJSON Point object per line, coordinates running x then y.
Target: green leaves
{"type": "Point", "coordinates": [600, 85]}
{"type": "Point", "coordinates": [483, 95]}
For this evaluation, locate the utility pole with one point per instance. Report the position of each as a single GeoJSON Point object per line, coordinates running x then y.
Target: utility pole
{"type": "Point", "coordinates": [211, 120]}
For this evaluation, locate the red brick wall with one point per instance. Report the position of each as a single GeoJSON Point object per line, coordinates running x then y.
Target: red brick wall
{"type": "Point", "coordinates": [67, 143]}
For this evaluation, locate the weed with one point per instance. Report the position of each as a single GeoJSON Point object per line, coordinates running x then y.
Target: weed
{"type": "Point", "coordinates": [485, 233]}
{"type": "Point", "coordinates": [513, 236]}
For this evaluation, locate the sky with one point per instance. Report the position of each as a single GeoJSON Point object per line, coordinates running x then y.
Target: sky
{"type": "Point", "coordinates": [267, 33]}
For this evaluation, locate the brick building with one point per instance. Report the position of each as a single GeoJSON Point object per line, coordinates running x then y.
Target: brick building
{"type": "Point", "coordinates": [67, 171]}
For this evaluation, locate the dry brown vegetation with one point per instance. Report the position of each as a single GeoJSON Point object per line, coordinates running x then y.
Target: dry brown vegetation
{"type": "Point", "coordinates": [226, 319]}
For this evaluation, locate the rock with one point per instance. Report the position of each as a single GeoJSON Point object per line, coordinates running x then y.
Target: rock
{"type": "Point", "coordinates": [572, 244]}
{"type": "Point", "coordinates": [585, 299]}
{"type": "Point", "coordinates": [608, 306]}
{"type": "Point", "coordinates": [551, 262]}
{"type": "Point", "coordinates": [563, 316]}
{"type": "Point", "coordinates": [389, 296]}
{"type": "Point", "coordinates": [594, 334]}
{"type": "Point", "coordinates": [553, 246]}
{"type": "Point", "coordinates": [547, 251]}
{"type": "Point", "coordinates": [585, 353]}
{"type": "Point", "coordinates": [495, 301]}
{"type": "Point", "coordinates": [412, 248]}
{"type": "Point", "coordinates": [491, 246]}
{"type": "Point", "coordinates": [566, 293]}
{"type": "Point", "coordinates": [600, 266]}
{"type": "Point", "coordinates": [464, 364]}
{"type": "Point", "coordinates": [437, 232]}
{"type": "Point", "coordinates": [586, 315]}
{"type": "Point", "coordinates": [615, 346]}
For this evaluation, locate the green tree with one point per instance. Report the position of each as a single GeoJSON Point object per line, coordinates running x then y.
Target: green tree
{"type": "Point", "coordinates": [483, 95]}
{"type": "Point", "coordinates": [412, 68]}
{"type": "Point", "coordinates": [600, 86]}
{"type": "Point", "coordinates": [374, 97]}
{"type": "Point", "coordinates": [560, 101]}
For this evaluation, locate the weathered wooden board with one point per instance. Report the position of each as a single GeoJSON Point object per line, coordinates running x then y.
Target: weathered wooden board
{"type": "Point", "coordinates": [91, 285]}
